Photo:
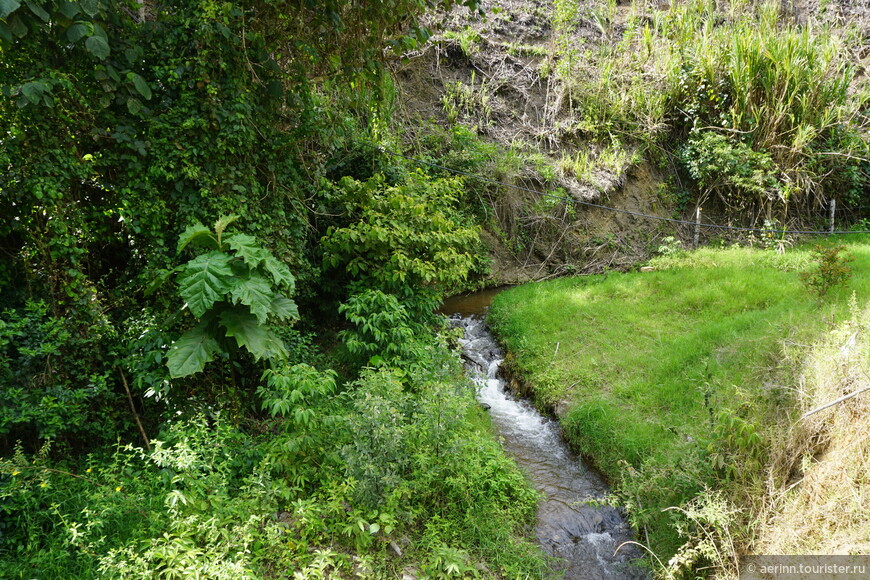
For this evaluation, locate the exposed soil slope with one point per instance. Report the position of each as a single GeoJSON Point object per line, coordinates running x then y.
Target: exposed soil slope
{"type": "Point", "coordinates": [499, 75]}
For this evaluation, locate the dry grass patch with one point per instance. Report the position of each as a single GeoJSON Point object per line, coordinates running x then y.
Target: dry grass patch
{"type": "Point", "coordinates": [819, 497]}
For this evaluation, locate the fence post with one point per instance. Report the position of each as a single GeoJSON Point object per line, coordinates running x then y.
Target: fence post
{"type": "Point", "coordinates": [697, 227]}
{"type": "Point", "coordinates": [831, 219]}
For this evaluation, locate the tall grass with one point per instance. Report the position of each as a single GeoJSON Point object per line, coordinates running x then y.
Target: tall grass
{"type": "Point", "coordinates": [784, 89]}
{"type": "Point", "coordinates": [826, 510]}
{"type": "Point", "coordinates": [742, 70]}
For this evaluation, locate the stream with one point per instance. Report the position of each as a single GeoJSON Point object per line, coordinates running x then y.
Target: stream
{"type": "Point", "coordinates": [584, 537]}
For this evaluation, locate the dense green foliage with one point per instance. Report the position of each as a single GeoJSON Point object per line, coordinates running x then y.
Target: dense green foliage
{"type": "Point", "coordinates": [231, 292]}
{"type": "Point", "coordinates": [404, 240]}
{"type": "Point", "coordinates": [673, 381]}
{"type": "Point", "coordinates": [122, 128]}
{"type": "Point", "coordinates": [299, 406]}
{"type": "Point", "coordinates": [264, 453]}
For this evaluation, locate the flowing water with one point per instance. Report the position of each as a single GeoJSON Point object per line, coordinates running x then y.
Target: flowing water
{"type": "Point", "coordinates": [583, 536]}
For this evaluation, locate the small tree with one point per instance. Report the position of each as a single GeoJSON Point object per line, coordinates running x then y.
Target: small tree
{"type": "Point", "coordinates": [832, 270]}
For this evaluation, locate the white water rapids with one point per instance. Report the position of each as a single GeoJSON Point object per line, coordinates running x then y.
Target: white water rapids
{"type": "Point", "coordinates": [583, 536]}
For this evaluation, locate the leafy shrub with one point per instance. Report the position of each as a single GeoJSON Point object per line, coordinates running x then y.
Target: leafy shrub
{"type": "Point", "coordinates": [377, 455]}
{"type": "Point", "coordinates": [831, 270]}
{"type": "Point", "coordinates": [737, 451]}
{"type": "Point", "coordinates": [414, 453]}
{"type": "Point", "coordinates": [196, 504]}
{"type": "Point", "coordinates": [382, 327]}
{"type": "Point", "coordinates": [404, 240]}
{"type": "Point", "coordinates": [55, 385]}
{"type": "Point", "coordinates": [299, 400]}
{"type": "Point", "coordinates": [731, 169]}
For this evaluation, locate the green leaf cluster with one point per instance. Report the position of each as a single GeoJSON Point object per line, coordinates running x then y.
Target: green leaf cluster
{"type": "Point", "coordinates": [732, 170]}
{"type": "Point", "coordinates": [383, 330]}
{"type": "Point", "coordinates": [236, 290]}
{"type": "Point", "coordinates": [295, 389]}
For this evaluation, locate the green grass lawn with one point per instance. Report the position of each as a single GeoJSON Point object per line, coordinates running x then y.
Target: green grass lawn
{"type": "Point", "coordinates": [642, 364]}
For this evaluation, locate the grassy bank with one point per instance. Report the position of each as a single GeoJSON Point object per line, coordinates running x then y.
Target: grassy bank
{"type": "Point", "coordinates": [674, 380]}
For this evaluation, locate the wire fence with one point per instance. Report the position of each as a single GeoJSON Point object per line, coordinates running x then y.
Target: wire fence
{"type": "Point", "coordinates": [575, 201]}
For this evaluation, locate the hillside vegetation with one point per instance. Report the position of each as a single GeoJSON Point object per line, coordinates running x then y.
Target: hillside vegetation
{"type": "Point", "coordinates": [218, 352]}
{"type": "Point", "coordinates": [685, 384]}
{"type": "Point", "coordinates": [754, 111]}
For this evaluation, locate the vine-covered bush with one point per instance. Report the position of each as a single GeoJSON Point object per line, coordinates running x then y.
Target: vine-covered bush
{"type": "Point", "coordinates": [122, 123]}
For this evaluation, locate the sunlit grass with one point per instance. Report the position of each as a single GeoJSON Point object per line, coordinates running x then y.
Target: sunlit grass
{"type": "Point", "coordinates": [641, 364]}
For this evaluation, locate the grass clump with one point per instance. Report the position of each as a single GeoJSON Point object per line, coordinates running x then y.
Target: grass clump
{"type": "Point", "coordinates": [670, 380]}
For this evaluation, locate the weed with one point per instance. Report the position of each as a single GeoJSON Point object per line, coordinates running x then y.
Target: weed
{"type": "Point", "coordinates": [515, 49]}
{"type": "Point", "coordinates": [772, 236]}
{"type": "Point", "coordinates": [707, 527]}
{"type": "Point", "coordinates": [831, 270]}
{"type": "Point", "coordinates": [670, 245]}
{"type": "Point", "coordinates": [467, 100]}
{"type": "Point", "coordinates": [468, 38]}
{"type": "Point", "coordinates": [584, 165]}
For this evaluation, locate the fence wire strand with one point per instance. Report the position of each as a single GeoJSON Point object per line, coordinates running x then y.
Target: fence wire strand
{"type": "Point", "coordinates": [575, 201]}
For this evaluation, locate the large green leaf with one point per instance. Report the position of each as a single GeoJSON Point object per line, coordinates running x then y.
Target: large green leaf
{"type": "Point", "coordinates": [255, 292]}
{"type": "Point", "coordinates": [280, 272]}
{"type": "Point", "coordinates": [79, 30]}
{"type": "Point", "coordinates": [33, 91]}
{"type": "Point", "coordinates": [205, 280]}
{"type": "Point", "coordinates": [7, 7]}
{"type": "Point", "coordinates": [97, 46]}
{"type": "Point", "coordinates": [69, 9]}
{"type": "Point", "coordinates": [141, 85]}
{"type": "Point", "coordinates": [249, 333]}
{"type": "Point", "coordinates": [134, 106]}
{"type": "Point", "coordinates": [38, 10]}
{"type": "Point", "coordinates": [91, 7]}
{"type": "Point", "coordinates": [247, 248]}
{"type": "Point", "coordinates": [100, 31]}
{"type": "Point", "coordinates": [284, 308]}
{"type": "Point", "coordinates": [197, 234]}
{"type": "Point", "coordinates": [190, 353]}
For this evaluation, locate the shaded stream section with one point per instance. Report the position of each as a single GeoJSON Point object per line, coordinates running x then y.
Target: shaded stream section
{"type": "Point", "coordinates": [584, 537]}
